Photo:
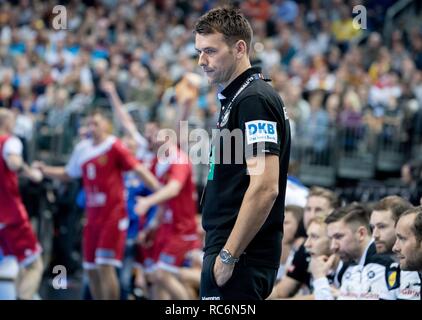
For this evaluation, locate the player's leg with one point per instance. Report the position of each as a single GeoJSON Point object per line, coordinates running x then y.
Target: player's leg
{"type": "Point", "coordinates": [109, 255]}
{"type": "Point", "coordinates": [190, 276]}
{"type": "Point", "coordinates": [29, 279]}
{"type": "Point", "coordinates": [171, 260]}
{"type": "Point", "coordinates": [158, 292]}
{"type": "Point", "coordinates": [22, 243]}
{"type": "Point", "coordinates": [90, 239]}
{"type": "Point", "coordinates": [94, 281]}
{"type": "Point", "coordinates": [190, 273]}
{"type": "Point", "coordinates": [110, 287]}
{"type": "Point", "coordinates": [169, 282]}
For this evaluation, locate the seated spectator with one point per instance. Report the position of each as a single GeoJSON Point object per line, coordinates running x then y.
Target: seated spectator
{"type": "Point", "coordinates": [293, 237]}
{"type": "Point", "coordinates": [326, 268]}
{"type": "Point", "coordinates": [320, 203]}
{"type": "Point", "coordinates": [349, 231]}
{"type": "Point", "coordinates": [408, 246]}
{"type": "Point", "coordinates": [383, 219]}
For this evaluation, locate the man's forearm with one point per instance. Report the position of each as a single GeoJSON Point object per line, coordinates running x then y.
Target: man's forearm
{"type": "Point", "coordinates": [124, 118]}
{"type": "Point", "coordinates": [147, 176]}
{"type": "Point", "coordinates": [55, 173]}
{"type": "Point", "coordinates": [168, 192]}
{"type": "Point", "coordinates": [255, 208]}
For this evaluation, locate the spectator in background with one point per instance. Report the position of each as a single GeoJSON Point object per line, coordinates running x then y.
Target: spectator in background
{"type": "Point", "coordinates": [383, 220]}
{"type": "Point", "coordinates": [372, 49]}
{"type": "Point", "coordinates": [350, 235]}
{"type": "Point", "coordinates": [408, 246]}
{"type": "Point", "coordinates": [316, 128]}
{"type": "Point", "coordinates": [141, 89]}
{"type": "Point", "coordinates": [411, 179]}
{"type": "Point", "coordinates": [293, 237]}
{"type": "Point", "coordinates": [298, 109]}
{"type": "Point", "coordinates": [343, 28]}
{"type": "Point", "coordinates": [350, 117]}
{"type": "Point", "coordinates": [286, 10]}
{"type": "Point", "coordinates": [320, 203]}
{"type": "Point", "coordinates": [333, 109]}
{"type": "Point", "coordinates": [325, 267]}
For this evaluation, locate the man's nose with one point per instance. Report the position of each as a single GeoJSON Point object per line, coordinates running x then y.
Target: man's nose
{"type": "Point", "coordinates": [202, 60]}
{"type": "Point", "coordinates": [307, 243]}
{"type": "Point", "coordinates": [375, 233]}
{"type": "Point", "coordinates": [396, 247]}
{"type": "Point", "coordinates": [334, 246]}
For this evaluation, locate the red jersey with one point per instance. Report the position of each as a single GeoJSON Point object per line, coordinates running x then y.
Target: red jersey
{"type": "Point", "coordinates": [12, 209]}
{"type": "Point", "coordinates": [101, 167]}
{"type": "Point", "coordinates": [183, 206]}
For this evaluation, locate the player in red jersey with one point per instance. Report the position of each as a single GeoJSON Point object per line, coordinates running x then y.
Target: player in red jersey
{"type": "Point", "coordinates": [100, 161]}
{"type": "Point", "coordinates": [16, 235]}
{"type": "Point", "coordinates": [178, 194]}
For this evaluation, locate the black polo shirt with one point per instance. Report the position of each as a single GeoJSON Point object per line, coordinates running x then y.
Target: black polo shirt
{"type": "Point", "coordinates": [258, 114]}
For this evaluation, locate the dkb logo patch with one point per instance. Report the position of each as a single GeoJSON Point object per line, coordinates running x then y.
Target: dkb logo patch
{"type": "Point", "coordinates": [261, 131]}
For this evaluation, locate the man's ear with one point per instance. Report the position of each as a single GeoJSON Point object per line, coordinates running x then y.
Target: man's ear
{"type": "Point", "coordinates": [241, 48]}
{"type": "Point", "coordinates": [362, 232]}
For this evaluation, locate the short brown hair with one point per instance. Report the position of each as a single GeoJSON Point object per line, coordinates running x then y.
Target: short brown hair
{"type": "Point", "coordinates": [353, 213]}
{"type": "Point", "coordinates": [325, 193]}
{"type": "Point", "coordinates": [104, 114]}
{"type": "Point", "coordinates": [417, 226]}
{"type": "Point", "coordinates": [397, 205]}
{"type": "Point", "coordinates": [318, 220]}
{"type": "Point", "coordinates": [227, 21]}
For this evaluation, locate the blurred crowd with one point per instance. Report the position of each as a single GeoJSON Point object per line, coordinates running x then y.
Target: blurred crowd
{"type": "Point", "coordinates": [330, 74]}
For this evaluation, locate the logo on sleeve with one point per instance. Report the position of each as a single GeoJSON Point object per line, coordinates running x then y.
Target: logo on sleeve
{"type": "Point", "coordinates": [392, 279]}
{"type": "Point", "coordinates": [261, 131]}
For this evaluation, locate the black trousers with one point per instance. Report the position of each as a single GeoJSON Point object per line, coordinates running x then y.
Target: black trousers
{"type": "Point", "coordinates": [248, 282]}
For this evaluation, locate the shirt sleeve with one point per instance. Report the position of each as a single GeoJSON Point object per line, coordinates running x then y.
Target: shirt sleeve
{"type": "Point", "coordinates": [12, 146]}
{"type": "Point", "coordinates": [125, 158]}
{"type": "Point", "coordinates": [260, 125]}
{"type": "Point", "coordinates": [73, 167]}
{"type": "Point", "coordinates": [322, 290]}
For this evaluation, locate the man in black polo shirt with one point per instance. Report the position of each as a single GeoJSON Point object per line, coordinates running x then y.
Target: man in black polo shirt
{"type": "Point", "coordinates": [243, 202]}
